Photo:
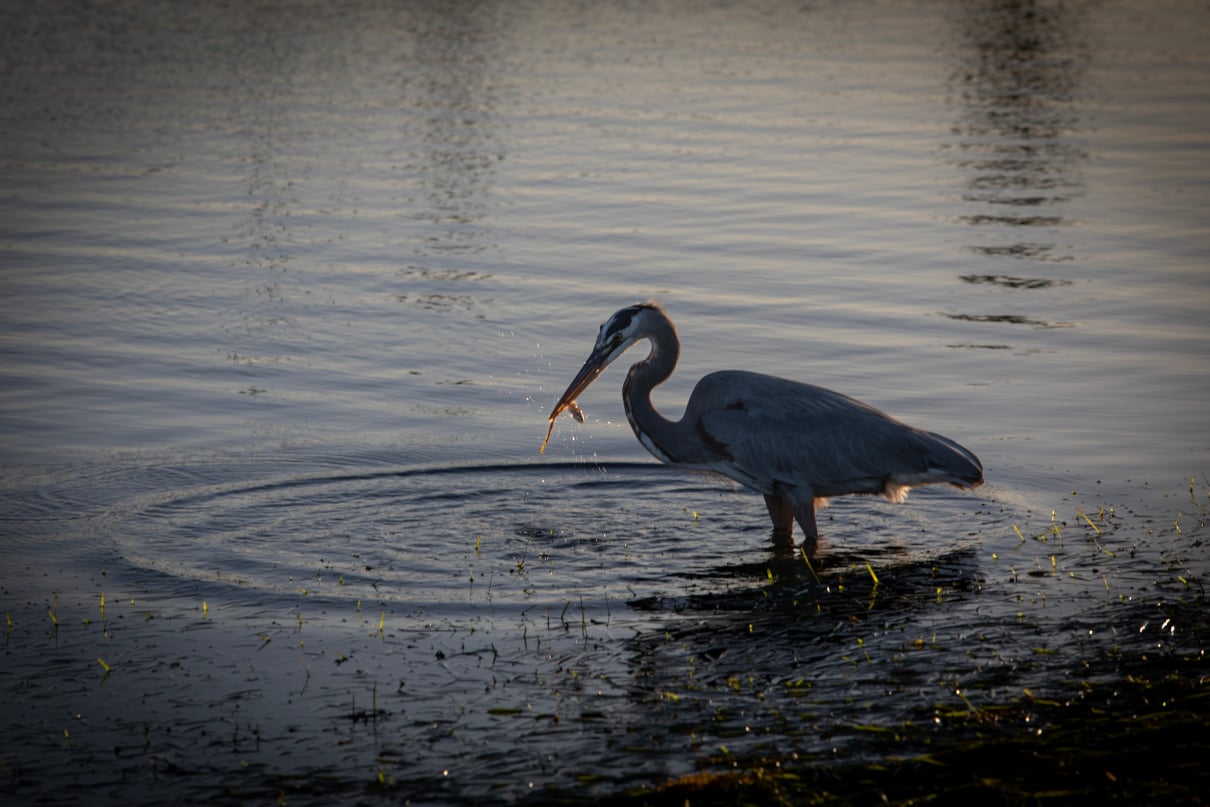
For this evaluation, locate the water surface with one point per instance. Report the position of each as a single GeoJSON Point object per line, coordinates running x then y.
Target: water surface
{"type": "Point", "coordinates": [287, 297]}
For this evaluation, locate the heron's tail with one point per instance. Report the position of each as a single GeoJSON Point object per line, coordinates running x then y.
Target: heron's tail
{"type": "Point", "coordinates": [950, 462]}
{"type": "Point", "coordinates": [938, 459]}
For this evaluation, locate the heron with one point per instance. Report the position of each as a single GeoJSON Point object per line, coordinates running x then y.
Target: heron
{"type": "Point", "coordinates": [795, 443]}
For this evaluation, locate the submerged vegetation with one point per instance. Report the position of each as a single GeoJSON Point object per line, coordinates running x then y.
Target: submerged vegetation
{"type": "Point", "coordinates": [1067, 718]}
{"type": "Point", "coordinates": [1138, 737]}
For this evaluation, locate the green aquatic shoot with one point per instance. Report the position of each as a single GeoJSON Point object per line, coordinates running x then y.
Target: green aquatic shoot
{"type": "Point", "coordinates": [873, 588]}
{"type": "Point", "coordinates": [1084, 516]}
{"type": "Point", "coordinates": [807, 559]}
{"type": "Point", "coordinates": [1054, 525]}
{"type": "Point", "coordinates": [972, 709]}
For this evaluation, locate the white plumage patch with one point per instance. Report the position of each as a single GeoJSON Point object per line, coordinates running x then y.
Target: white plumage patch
{"type": "Point", "coordinates": [648, 443]}
{"type": "Point", "coordinates": [896, 492]}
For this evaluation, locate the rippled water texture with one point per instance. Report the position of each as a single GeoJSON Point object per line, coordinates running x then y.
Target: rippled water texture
{"type": "Point", "coordinates": [287, 294]}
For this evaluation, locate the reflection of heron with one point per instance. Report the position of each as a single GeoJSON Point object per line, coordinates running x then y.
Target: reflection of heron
{"type": "Point", "coordinates": [796, 443]}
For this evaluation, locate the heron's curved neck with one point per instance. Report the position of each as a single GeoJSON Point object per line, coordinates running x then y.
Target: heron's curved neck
{"type": "Point", "coordinates": [662, 437]}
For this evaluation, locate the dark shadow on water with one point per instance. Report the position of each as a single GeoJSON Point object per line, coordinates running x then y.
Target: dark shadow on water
{"type": "Point", "coordinates": [1016, 84]}
{"type": "Point", "coordinates": [1015, 90]}
{"type": "Point", "coordinates": [1009, 319]}
{"type": "Point", "coordinates": [1013, 282]}
{"type": "Point", "coordinates": [783, 587]}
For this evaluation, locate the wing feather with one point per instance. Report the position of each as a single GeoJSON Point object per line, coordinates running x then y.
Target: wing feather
{"type": "Point", "coordinates": [778, 432]}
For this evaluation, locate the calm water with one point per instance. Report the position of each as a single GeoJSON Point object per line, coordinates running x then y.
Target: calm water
{"type": "Point", "coordinates": [287, 297]}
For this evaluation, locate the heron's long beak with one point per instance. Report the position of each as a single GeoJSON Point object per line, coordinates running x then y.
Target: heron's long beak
{"type": "Point", "coordinates": [592, 368]}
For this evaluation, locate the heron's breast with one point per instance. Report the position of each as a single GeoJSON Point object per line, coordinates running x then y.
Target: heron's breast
{"type": "Point", "coordinates": [650, 444]}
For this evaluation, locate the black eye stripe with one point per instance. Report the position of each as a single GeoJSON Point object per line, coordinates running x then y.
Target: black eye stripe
{"type": "Point", "coordinates": [621, 320]}
{"type": "Point", "coordinates": [616, 326]}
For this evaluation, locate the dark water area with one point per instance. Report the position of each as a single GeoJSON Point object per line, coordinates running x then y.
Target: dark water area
{"type": "Point", "coordinates": [456, 634]}
{"type": "Point", "coordinates": [286, 296]}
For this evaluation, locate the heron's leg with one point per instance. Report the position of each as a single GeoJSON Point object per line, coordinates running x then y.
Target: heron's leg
{"type": "Point", "coordinates": [782, 515]}
{"type": "Point", "coordinates": [804, 513]}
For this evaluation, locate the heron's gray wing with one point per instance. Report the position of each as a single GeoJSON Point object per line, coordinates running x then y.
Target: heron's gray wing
{"type": "Point", "coordinates": [782, 432]}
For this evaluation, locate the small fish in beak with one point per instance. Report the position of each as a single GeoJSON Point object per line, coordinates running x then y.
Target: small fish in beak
{"type": "Point", "coordinates": [592, 368]}
{"type": "Point", "coordinates": [570, 406]}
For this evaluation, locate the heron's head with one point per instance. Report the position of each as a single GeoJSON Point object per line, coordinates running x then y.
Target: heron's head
{"type": "Point", "coordinates": [621, 331]}
{"type": "Point", "coordinates": [617, 333]}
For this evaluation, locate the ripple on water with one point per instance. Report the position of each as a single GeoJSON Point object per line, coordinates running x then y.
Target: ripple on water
{"type": "Point", "coordinates": [497, 535]}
